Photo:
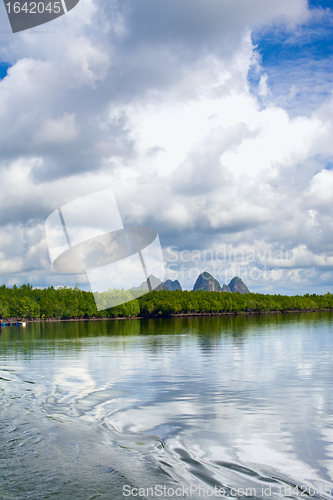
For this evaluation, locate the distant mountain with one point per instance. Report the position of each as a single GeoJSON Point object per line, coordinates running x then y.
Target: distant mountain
{"type": "Point", "coordinates": [237, 285]}
{"type": "Point", "coordinates": [206, 282]}
{"type": "Point", "coordinates": [154, 282]}
{"type": "Point", "coordinates": [169, 285]}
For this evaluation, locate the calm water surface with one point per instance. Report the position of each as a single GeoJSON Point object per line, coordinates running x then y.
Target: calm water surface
{"type": "Point", "coordinates": [239, 407]}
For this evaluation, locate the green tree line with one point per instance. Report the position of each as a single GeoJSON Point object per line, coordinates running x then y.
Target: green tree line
{"type": "Point", "coordinates": [28, 302]}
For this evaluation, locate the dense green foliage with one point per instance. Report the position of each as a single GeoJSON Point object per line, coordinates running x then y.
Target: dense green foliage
{"type": "Point", "coordinates": [26, 302]}
{"type": "Point", "coordinates": [159, 303]}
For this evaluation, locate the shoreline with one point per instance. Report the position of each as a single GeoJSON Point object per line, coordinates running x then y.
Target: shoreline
{"type": "Point", "coordinates": [178, 315]}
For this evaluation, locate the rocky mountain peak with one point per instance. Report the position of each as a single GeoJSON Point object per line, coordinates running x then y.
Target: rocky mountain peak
{"type": "Point", "coordinates": [237, 285]}
{"type": "Point", "coordinates": [169, 285]}
{"type": "Point", "coordinates": [207, 283]}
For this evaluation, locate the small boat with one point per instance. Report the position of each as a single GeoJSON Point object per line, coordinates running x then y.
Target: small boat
{"type": "Point", "coordinates": [17, 323]}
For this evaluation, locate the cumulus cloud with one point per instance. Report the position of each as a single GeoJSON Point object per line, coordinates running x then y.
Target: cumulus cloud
{"type": "Point", "coordinates": [154, 100]}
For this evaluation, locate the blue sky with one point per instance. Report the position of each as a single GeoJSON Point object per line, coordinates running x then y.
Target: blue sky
{"type": "Point", "coordinates": [212, 122]}
{"type": "Point", "coordinates": [301, 57]}
{"type": "Point", "coordinates": [3, 69]}
{"type": "Point", "coordinates": [324, 4]}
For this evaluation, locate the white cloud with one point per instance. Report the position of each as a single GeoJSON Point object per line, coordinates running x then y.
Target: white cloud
{"type": "Point", "coordinates": [163, 113]}
{"type": "Point", "coordinates": [58, 131]}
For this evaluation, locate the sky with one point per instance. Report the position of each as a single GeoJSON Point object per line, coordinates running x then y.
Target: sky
{"type": "Point", "coordinates": [211, 121]}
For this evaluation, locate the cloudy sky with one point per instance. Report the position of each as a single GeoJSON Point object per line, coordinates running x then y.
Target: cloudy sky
{"type": "Point", "coordinates": [211, 120]}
